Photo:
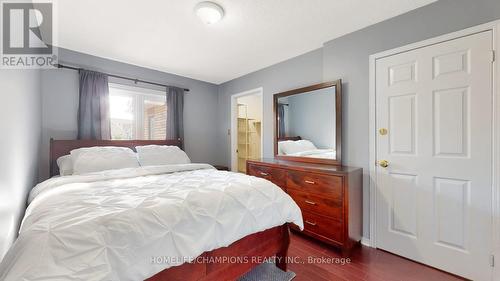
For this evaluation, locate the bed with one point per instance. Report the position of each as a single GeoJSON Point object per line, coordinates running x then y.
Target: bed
{"type": "Point", "coordinates": [298, 147]}
{"type": "Point", "coordinates": [169, 222]}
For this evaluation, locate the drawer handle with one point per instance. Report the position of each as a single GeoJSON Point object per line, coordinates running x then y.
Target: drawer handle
{"type": "Point", "coordinates": [310, 202]}
{"type": "Point", "coordinates": [264, 174]}
{"type": "Point", "coordinates": [310, 182]}
{"type": "Point", "coordinates": [310, 223]}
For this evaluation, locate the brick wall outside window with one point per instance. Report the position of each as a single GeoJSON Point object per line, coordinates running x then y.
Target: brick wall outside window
{"type": "Point", "coordinates": [155, 118]}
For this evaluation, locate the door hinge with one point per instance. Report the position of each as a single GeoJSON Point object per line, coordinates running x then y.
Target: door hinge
{"type": "Point", "coordinates": [492, 55]}
{"type": "Point", "coordinates": [492, 260]}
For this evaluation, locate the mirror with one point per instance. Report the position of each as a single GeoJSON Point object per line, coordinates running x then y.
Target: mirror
{"type": "Point", "coordinates": [308, 124]}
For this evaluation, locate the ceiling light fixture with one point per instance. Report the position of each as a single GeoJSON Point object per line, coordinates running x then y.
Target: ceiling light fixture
{"type": "Point", "coordinates": [209, 12]}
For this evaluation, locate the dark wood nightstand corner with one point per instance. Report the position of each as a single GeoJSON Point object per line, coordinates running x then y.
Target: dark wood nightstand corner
{"type": "Point", "coordinates": [221, 168]}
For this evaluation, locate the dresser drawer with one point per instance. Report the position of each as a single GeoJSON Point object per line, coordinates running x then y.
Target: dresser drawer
{"type": "Point", "coordinates": [329, 206]}
{"type": "Point", "coordinates": [276, 176]}
{"type": "Point", "coordinates": [324, 227]}
{"type": "Point", "coordinates": [330, 186]}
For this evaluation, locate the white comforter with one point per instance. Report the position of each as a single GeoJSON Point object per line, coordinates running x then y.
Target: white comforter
{"type": "Point", "coordinates": [316, 153]}
{"type": "Point", "coordinates": [116, 225]}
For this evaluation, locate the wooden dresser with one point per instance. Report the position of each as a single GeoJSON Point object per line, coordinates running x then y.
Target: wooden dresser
{"type": "Point", "coordinates": [330, 197]}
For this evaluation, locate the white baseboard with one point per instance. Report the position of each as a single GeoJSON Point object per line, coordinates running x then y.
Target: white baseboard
{"type": "Point", "coordinates": [366, 241]}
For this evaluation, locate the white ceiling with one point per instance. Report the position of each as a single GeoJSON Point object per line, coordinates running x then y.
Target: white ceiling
{"type": "Point", "coordinates": [166, 35]}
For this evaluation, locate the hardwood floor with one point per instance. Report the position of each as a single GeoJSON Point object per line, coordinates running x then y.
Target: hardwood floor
{"type": "Point", "coordinates": [366, 264]}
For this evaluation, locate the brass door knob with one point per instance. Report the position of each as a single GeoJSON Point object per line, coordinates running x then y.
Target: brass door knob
{"type": "Point", "coordinates": [383, 163]}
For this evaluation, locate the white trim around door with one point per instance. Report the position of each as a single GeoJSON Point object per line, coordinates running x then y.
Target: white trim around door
{"type": "Point", "coordinates": [496, 151]}
{"type": "Point", "coordinates": [234, 112]}
{"type": "Point", "coordinates": [494, 27]}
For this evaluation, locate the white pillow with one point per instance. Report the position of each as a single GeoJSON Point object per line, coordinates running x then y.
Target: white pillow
{"type": "Point", "coordinates": [152, 155]}
{"type": "Point", "coordinates": [297, 146]}
{"type": "Point", "coordinates": [101, 158]}
{"type": "Point", "coordinates": [65, 164]}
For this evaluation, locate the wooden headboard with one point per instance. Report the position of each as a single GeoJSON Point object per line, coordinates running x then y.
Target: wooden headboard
{"type": "Point", "coordinates": [290, 138]}
{"type": "Point", "coordinates": [60, 148]}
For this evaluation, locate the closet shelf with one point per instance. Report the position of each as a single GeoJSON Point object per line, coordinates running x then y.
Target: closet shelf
{"type": "Point", "coordinates": [248, 131]}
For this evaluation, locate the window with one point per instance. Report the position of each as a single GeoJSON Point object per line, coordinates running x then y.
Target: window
{"type": "Point", "coordinates": [137, 113]}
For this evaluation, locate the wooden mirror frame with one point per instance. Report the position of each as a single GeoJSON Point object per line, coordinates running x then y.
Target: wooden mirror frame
{"type": "Point", "coordinates": [338, 123]}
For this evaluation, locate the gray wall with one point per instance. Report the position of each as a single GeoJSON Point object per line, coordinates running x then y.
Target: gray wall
{"type": "Point", "coordinates": [300, 71]}
{"type": "Point", "coordinates": [347, 58]}
{"type": "Point", "coordinates": [20, 124]}
{"type": "Point", "coordinates": [60, 104]}
{"type": "Point", "coordinates": [312, 117]}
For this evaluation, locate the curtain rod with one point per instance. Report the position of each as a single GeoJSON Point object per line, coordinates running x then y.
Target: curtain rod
{"type": "Point", "coordinates": [121, 77]}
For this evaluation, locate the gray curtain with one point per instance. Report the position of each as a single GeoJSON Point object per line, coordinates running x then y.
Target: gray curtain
{"type": "Point", "coordinates": [175, 113]}
{"type": "Point", "coordinates": [281, 121]}
{"type": "Point", "coordinates": [93, 109]}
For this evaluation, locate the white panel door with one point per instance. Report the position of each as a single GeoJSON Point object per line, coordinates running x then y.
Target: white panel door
{"type": "Point", "coordinates": [434, 197]}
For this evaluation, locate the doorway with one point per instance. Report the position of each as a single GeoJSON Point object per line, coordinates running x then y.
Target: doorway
{"type": "Point", "coordinates": [246, 128]}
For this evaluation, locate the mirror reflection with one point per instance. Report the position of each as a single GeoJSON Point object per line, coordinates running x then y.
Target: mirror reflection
{"type": "Point", "coordinates": [306, 124]}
